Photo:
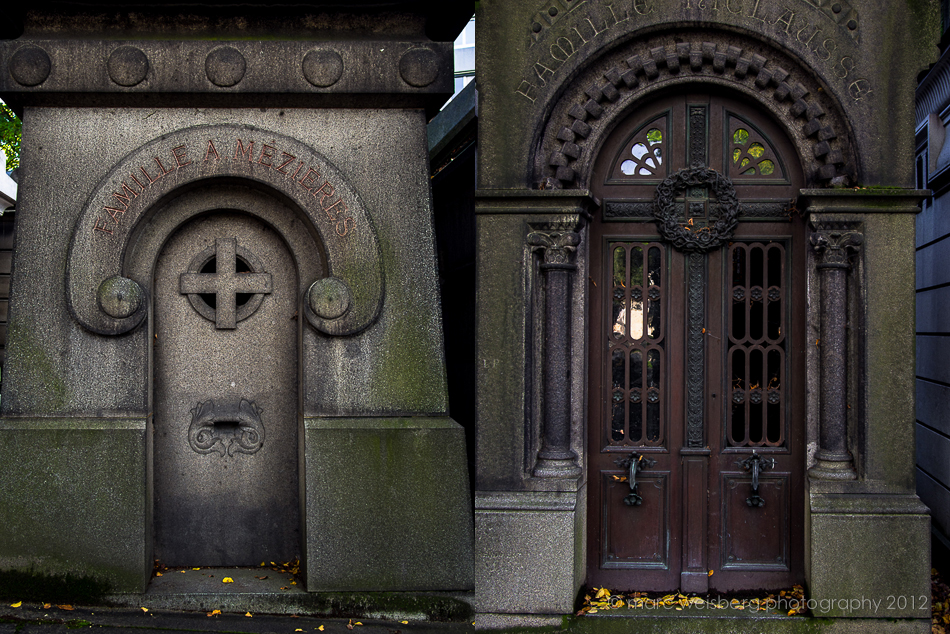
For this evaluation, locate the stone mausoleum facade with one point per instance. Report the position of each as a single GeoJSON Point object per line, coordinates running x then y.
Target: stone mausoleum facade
{"type": "Point", "coordinates": [229, 348]}
{"type": "Point", "coordinates": [684, 302]}
{"type": "Point", "coordinates": [695, 238]}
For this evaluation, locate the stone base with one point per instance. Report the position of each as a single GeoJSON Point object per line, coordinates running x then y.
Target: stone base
{"type": "Point", "coordinates": [869, 556]}
{"type": "Point", "coordinates": [387, 505]}
{"type": "Point", "coordinates": [530, 551]}
{"type": "Point", "coordinates": [670, 624]}
{"type": "Point", "coordinates": [73, 498]}
{"type": "Point", "coordinates": [265, 591]}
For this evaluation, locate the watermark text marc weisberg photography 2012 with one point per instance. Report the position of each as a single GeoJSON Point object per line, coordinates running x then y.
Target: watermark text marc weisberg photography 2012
{"type": "Point", "coordinates": [855, 604]}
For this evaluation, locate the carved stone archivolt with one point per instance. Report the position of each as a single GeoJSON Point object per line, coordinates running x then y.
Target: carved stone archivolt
{"type": "Point", "coordinates": [587, 108]}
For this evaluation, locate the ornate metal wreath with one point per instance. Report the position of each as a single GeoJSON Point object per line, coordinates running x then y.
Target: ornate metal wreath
{"type": "Point", "coordinates": [700, 239]}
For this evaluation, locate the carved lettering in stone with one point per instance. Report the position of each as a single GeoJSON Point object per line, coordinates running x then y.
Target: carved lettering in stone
{"type": "Point", "coordinates": [801, 25]}
{"type": "Point", "coordinates": [267, 152]}
{"type": "Point", "coordinates": [212, 150]}
{"type": "Point", "coordinates": [290, 159]}
{"type": "Point", "coordinates": [179, 154]}
{"type": "Point", "coordinates": [859, 89]}
{"type": "Point", "coordinates": [240, 150]}
{"type": "Point", "coordinates": [564, 42]}
{"type": "Point", "coordinates": [270, 156]}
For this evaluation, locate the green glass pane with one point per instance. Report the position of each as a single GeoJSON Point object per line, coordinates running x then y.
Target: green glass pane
{"type": "Point", "coordinates": [736, 153]}
{"type": "Point", "coordinates": [766, 167]}
{"type": "Point", "coordinates": [756, 150]}
{"type": "Point", "coordinates": [741, 136]}
{"type": "Point", "coordinates": [749, 172]}
{"type": "Point", "coordinates": [654, 136]}
{"type": "Point", "coordinates": [744, 162]}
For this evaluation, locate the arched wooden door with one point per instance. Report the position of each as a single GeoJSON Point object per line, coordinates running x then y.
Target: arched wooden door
{"type": "Point", "coordinates": [697, 352]}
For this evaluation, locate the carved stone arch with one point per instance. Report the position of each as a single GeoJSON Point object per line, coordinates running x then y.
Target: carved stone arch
{"type": "Point", "coordinates": [600, 97]}
{"type": "Point", "coordinates": [105, 298]}
{"type": "Point", "coordinates": [151, 234]}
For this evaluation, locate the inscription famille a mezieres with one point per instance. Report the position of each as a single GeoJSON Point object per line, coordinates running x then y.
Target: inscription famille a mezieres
{"type": "Point", "coordinates": [801, 24]}
{"type": "Point", "coordinates": [301, 173]}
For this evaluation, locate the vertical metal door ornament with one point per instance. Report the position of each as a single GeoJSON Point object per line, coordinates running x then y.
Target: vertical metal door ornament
{"type": "Point", "coordinates": [833, 244]}
{"type": "Point", "coordinates": [695, 350]}
{"type": "Point", "coordinates": [556, 459]}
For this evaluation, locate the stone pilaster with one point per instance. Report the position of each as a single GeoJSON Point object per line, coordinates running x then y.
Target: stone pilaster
{"type": "Point", "coordinates": [556, 459]}
{"type": "Point", "coordinates": [862, 511]}
{"type": "Point", "coordinates": [834, 243]}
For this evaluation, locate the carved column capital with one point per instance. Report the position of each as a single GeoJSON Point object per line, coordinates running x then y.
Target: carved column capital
{"type": "Point", "coordinates": [556, 247]}
{"type": "Point", "coordinates": [835, 245]}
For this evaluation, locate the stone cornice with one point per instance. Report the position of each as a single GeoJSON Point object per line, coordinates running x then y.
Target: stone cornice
{"type": "Point", "coordinates": [863, 201]}
{"type": "Point", "coordinates": [292, 73]}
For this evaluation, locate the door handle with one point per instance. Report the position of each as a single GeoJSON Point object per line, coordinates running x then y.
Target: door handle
{"type": "Point", "coordinates": [755, 463]}
{"type": "Point", "coordinates": [633, 463]}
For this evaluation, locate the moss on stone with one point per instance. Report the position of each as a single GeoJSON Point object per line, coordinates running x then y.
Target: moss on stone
{"type": "Point", "coordinates": [37, 376]}
{"type": "Point", "coordinates": [29, 585]}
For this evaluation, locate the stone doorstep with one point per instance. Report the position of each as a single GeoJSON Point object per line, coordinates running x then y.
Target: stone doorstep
{"type": "Point", "coordinates": [204, 590]}
{"type": "Point", "coordinates": [621, 622]}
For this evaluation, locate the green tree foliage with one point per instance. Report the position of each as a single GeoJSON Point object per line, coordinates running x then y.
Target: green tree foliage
{"type": "Point", "coordinates": [10, 126]}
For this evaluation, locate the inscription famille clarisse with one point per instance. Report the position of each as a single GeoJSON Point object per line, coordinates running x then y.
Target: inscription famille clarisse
{"type": "Point", "coordinates": [803, 22]}
{"type": "Point", "coordinates": [303, 174]}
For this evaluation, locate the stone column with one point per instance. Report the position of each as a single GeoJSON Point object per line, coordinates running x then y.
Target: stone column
{"type": "Point", "coordinates": [556, 459]}
{"type": "Point", "coordinates": [833, 244]}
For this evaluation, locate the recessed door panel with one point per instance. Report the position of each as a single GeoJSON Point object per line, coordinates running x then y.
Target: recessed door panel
{"type": "Point", "coordinates": [225, 395]}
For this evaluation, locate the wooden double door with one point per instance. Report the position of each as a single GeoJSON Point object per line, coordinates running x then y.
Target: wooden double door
{"type": "Point", "coordinates": [697, 352]}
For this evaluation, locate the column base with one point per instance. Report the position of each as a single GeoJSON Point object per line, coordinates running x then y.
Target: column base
{"type": "Point", "coordinates": [833, 466]}
{"type": "Point", "coordinates": [559, 467]}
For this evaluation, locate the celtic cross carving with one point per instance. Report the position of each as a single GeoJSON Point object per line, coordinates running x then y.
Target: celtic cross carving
{"type": "Point", "coordinates": [225, 283]}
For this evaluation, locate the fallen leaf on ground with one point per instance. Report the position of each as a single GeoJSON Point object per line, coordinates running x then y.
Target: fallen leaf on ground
{"type": "Point", "coordinates": [320, 628]}
{"type": "Point", "coordinates": [16, 605]}
{"type": "Point", "coordinates": [298, 630]}
{"type": "Point", "coordinates": [214, 612]}
{"type": "Point", "coordinates": [227, 580]}
{"type": "Point", "coordinates": [46, 606]}
{"type": "Point", "coordinates": [349, 625]}
{"type": "Point", "coordinates": [248, 614]}
{"type": "Point", "coordinates": [404, 622]}
{"type": "Point", "coordinates": [65, 607]}
{"type": "Point", "coordinates": [158, 574]}
{"type": "Point", "coordinates": [196, 568]}
{"type": "Point", "coordinates": [144, 609]}
{"type": "Point", "coordinates": [261, 578]}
